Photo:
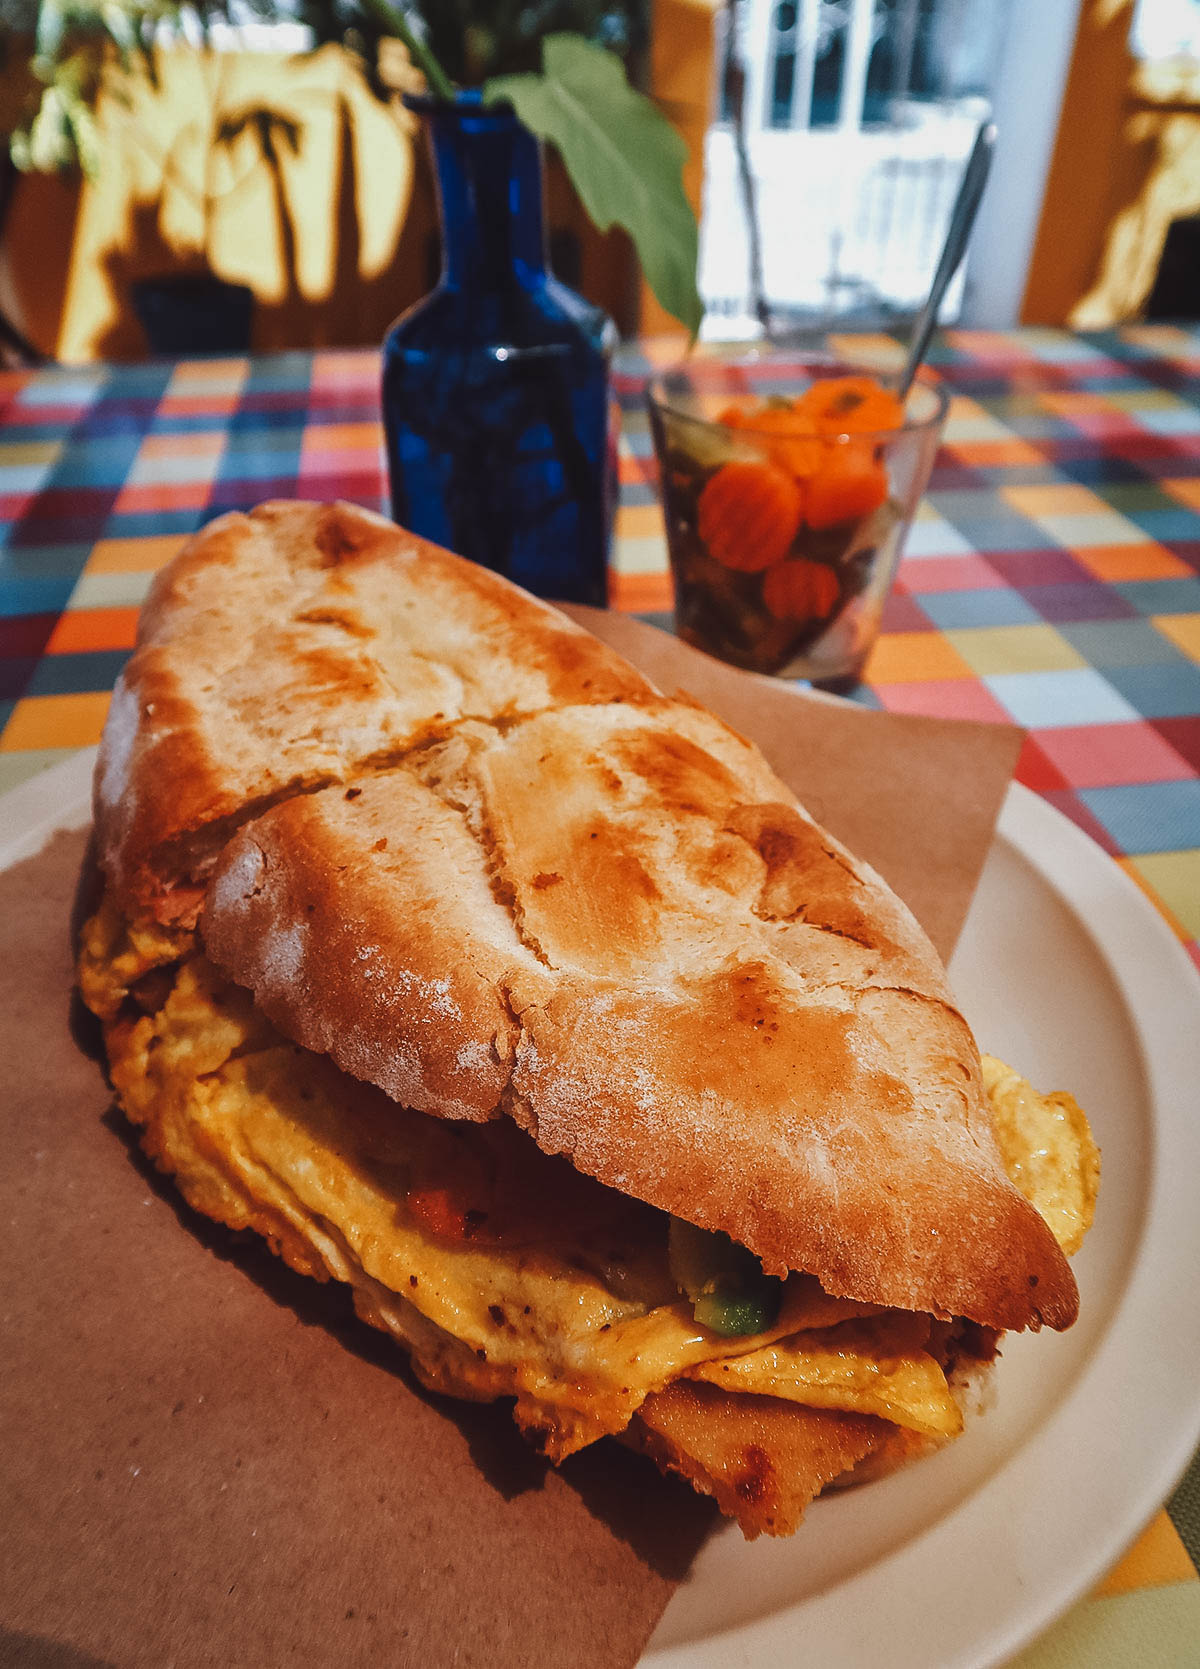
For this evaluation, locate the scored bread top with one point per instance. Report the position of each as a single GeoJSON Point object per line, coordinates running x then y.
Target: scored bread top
{"type": "Point", "coordinates": [462, 847]}
{"type": "Point", "coordinates": [284, 649]}
{"type": "Point", "coordinates": [616, 925]}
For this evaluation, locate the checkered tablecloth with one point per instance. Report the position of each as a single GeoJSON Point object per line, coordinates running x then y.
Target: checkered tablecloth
{"type": "Point", "coordinates": [1053, 578]}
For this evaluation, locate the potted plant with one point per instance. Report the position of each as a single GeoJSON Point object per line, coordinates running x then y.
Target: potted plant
{"type": "Point", "coordinates": [495, 387]}
{"type": "Point", "coordinates": [50, 67]}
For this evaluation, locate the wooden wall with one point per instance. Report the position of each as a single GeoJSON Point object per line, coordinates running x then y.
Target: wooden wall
{"type": "Point", "coordinates": [683, 80]}
{"type": "Point", "coordinates": [1126, 162]}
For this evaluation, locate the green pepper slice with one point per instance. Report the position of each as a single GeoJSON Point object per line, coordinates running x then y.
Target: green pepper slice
{"type": "Point", "coordinates": [729, 1292]}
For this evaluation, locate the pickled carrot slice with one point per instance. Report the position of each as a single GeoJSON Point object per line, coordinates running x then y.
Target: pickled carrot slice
{"type": "Point", "coordinates": [749, 513]}
{"type": "Point", "coordinates": [851, 406]}
{"type": "Point", "coordinates": [790, 436]}
{"type": "Point", "coordinates": [800, 590]}
{"type": "Point", "coordinates": [850, 484]}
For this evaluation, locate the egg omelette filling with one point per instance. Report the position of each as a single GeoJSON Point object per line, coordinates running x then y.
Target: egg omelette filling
{"type": "Point", "coordinates": [505, 1272]}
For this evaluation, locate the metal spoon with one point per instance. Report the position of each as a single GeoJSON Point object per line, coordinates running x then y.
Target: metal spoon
{"type": "Point", "coordinates": [958, 234]}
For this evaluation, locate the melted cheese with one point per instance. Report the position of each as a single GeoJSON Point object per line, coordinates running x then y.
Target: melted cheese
{"type": "Point", "coordinates": [1047, 1150]}
{"type": "Point", "coordinates": [867, 1367]}
{"type": "Point", "coordinates": [114, 953]}
{"type": "Point", "coordinates": [579, 1328]}
{"type": "Point", "coordinates": [260, 1133]}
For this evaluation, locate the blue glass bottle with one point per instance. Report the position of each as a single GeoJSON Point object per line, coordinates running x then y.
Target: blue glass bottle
{"type": "Point", "coordinates": [495, 386]}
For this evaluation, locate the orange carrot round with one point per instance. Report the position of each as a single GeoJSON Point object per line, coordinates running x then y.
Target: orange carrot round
{"type": "Point", "coordinates": [851, 406]}
{"type": "Point", "coordinates": [800, 590]}
{"type": "Point", "coordinates": [849, 485]}
{"type": "Point", "coordinates": [790, 437]}
{"type": "Point", "coordinates": [749, 513]}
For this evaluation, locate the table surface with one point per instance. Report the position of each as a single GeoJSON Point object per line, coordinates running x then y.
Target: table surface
{"type": "Point", "coordinates": [1052, 579]}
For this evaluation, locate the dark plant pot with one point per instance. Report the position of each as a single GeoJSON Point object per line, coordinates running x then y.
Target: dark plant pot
{"type": "Point", "coordinates": [194, 314]}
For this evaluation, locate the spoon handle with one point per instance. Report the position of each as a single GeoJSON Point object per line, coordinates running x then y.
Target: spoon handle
{"type": "Point", "coordinates": [958, 233]}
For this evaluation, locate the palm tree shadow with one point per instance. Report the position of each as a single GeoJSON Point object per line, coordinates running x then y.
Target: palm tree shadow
{"type": "Point", "coordinates": [146, 258]}
{"type": "Point", "coordinates": [297, 318]}
{"type": "Point", "coordinates": [352, 308]}
{"type": "Point", "coordinates": [356, 308]}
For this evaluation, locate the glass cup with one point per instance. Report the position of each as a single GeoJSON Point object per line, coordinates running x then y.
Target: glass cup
{"type": "Point", "coordinates": [788, 488]}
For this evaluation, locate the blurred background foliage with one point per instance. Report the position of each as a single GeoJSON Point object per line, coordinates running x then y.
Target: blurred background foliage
{"type": "Point", "coordinates": [472, 41]}
{"type": "Point", "coordinates": [263, 143]}
{"type": "Point", "coordinates": [57, 55]}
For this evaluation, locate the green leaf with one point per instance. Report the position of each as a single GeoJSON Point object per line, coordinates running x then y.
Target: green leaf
{"type": "Point", "coordinates": [624, 158]}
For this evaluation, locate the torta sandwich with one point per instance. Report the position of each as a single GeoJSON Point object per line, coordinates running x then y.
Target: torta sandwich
{"type": "Point", "coordinates": [443, 950]}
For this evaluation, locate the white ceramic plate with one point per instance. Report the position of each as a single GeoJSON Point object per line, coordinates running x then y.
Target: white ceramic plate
{"type": "Point", "coordinates": [1067, 971]}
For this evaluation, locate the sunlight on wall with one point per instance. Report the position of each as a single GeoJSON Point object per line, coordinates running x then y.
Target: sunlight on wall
{"type": "Point", "coordinates": [683, 80]}
{"type": "Point", "coordinates": [285, 174]}
{"type": "Point", "coordinates": [1126, 163]}
{"type": "Point", "coordinates": [1134, 243]}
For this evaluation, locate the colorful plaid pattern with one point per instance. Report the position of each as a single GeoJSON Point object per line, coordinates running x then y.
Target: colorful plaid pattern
{"type": "Point", "coordinates": [1052, 578]}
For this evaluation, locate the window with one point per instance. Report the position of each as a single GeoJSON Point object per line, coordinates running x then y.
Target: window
{"type": "Point", "coordinates": [859, 115]}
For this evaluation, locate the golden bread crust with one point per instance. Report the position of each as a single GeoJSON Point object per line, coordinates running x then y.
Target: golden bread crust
{"type": "Point", "coordinates": [464, 849]}
{"type": "Point", "coordinates": [677, 981]}
{"type": "Point", "coordinates": [290, 647]}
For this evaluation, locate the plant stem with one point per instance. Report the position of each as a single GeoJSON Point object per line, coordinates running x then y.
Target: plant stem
{"type": "Point", "coordinates": [395, 22]}
{"type": "Point", "coordinates": [736, 82]}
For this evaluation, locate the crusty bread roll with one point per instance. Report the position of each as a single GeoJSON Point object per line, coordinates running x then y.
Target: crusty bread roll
{"type": "Point", "coordinates": [536, 887]}
{"type": "Point", "coordinates": [457, 850]}
{"type": "Point", "coordinates": [615, 925]}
